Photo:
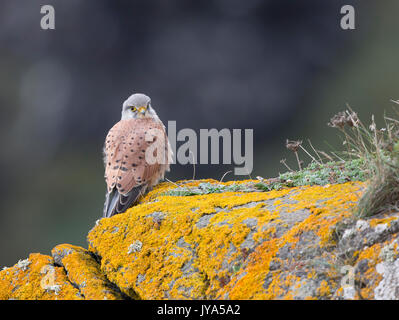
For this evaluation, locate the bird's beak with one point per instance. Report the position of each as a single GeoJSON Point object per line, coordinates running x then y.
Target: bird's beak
{"type": "Point", "coordinates": [142, 110]}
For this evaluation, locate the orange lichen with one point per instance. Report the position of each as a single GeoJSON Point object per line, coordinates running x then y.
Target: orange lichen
{"type": "Point", "coordinates": [387, 220]}
{"type": "Point", "coordinates": [324, 289]}
{"type": "Point", "coordinates": [195, 250]}
{"type": "Point", "coordinates": [231, 245]}
{"type": "Point", "coordinates": [36, 278]}
{"type": "Point", "coordinates": [161, 258]}
{"type": "Point", "coordinates": [332, 204]}
{"type": "Point", "coordinates": [372, 254]}
{"type": "Point", "coordinates": [84, 272]}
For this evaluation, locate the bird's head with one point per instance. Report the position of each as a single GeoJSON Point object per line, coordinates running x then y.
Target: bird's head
{"type": "Point", "coordinates": [138, 106]}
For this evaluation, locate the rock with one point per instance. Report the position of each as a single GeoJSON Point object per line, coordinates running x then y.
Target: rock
{"type": "Point", "coordinates": [37, 278]}
{"type": "Point", "coordinates": [228, 245]}
{"type": "Point", "coordinates": [84, 273]}
{"type": "Point", "coordinates": [388, 288]}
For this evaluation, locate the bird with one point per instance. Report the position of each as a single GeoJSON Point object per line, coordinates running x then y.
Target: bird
{"type": "Point", "coordinates": [137, 153]}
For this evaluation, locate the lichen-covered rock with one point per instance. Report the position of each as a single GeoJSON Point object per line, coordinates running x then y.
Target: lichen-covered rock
{"type": "Point", "coordinates": [84, 272]}
{"type": "Point", "coordinates": [295, 243]}
{"type": "Point", "coordinates": [36, 278]}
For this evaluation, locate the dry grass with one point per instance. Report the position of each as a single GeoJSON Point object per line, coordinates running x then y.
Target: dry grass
{"type": "Point", "coordinates": [379, 149]}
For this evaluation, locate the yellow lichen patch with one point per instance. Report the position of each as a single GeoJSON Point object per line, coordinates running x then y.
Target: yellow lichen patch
{"type": "Point", "coordinates": [248, 284]}
{"type": "Point", "coordinates": [373, 255]}
{"type": "Point", "coordinates": [370, 276]}
{"type": "Point", "coordinates": [178, 258]}
{"type": "Point", "coordinates": [220, 243]}
{"type": "Point", "coordinates": [327, 206]}
{"type": "Point", "coordinates": [387, 220]}
{"type": "Point", "coordinates": [84, 271]}
{"type": "Point", "coordinates": [231, 245]}
{"type": "Point", "coordinates": [324, 289]}
{"type": "Point", "coordinates": [276, 288]}
{"type": "Point", "coordinates": [36, 278]}
{"type": "Point", "coordinates": [196, 246]}
{"type": "Point", "coordinates": [370, 253]}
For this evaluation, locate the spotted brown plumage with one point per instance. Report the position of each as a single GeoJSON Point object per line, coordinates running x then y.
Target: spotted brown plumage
{"type": "Point", "coordinates": [136, 155]}
{"type": "Point", "coordinates": [125, 152]}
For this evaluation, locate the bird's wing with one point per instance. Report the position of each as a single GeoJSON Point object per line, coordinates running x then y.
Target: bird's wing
{"type": "Point", "coordinates": [126, 168]}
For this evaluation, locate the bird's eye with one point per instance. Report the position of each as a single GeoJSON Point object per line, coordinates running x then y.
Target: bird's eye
{"type": "Point", "coordinates": [134, 109]}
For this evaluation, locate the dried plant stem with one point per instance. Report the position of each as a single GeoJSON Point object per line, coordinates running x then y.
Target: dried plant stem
{"type": "Point", "coordinates": [315, 151]}
{"type": "Point", "coordinates": [221, 179]}
{"type": "Point", "coordinates": [337, 156]}
{"type": "Point", "coordinates": [193, 164]}
{"type": "Point", "coordinates": [326, 155]}
{"type": "Point", "coordinates": [313, 158]}
{"type": "Point", "coordinates": [172, 182]}
{"type": "Point", "coordinates": [297, 159]}
{"type": "Point", "coordinates": [286, 165]}
{"type": "Point", "coordinates": [377, 149]}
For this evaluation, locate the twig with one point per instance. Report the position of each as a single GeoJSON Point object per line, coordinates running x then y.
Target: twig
{"type": "Point", "coordinates": [221, 179]}
{"type": "Point", "coordinates": [282, 161]}
{"type": "Point", "coordinates": [172, 182]}
{"type": "Point", "coordinates": [193, 164]}
{"type": "Point", "coordinates": [394, 120]}
{"type": "Point", "coordinates": [315, 151]}
{"type": "Point", "coordinates": [338, 156]}
{"type": "Point", "coordinates": [326, 155]}
{"type": "Point", "coordinates": [313, 158]}
{"type": "Point", "coordinates": [299, 161]}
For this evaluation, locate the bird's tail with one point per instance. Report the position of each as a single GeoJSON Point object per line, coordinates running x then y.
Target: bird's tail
{"type": "Point", "coordinates": [110, 201]}
{"type": "Point", "coordinates": [116, 202]}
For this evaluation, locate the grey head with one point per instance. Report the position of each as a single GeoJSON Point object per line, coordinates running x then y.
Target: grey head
{"type": "Point", "coordinates": [137, 106]}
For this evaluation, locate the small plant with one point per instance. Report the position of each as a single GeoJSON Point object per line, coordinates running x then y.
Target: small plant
{"type": "Point", "coordinates": [318, 174]}
{"type": "Point", "coordinates": [313, 174]}
{"type": "Point", "coordinates": [379, 150]}
{"type": "Point", "coordinates": [207, 188]}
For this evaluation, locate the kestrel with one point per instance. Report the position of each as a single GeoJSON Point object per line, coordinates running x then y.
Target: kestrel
{"type": "Point", "coordinates": [137, 153]}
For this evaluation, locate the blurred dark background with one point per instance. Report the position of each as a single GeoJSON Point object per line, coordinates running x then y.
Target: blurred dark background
{"type": "Point", "coordinates": [282, 68]}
